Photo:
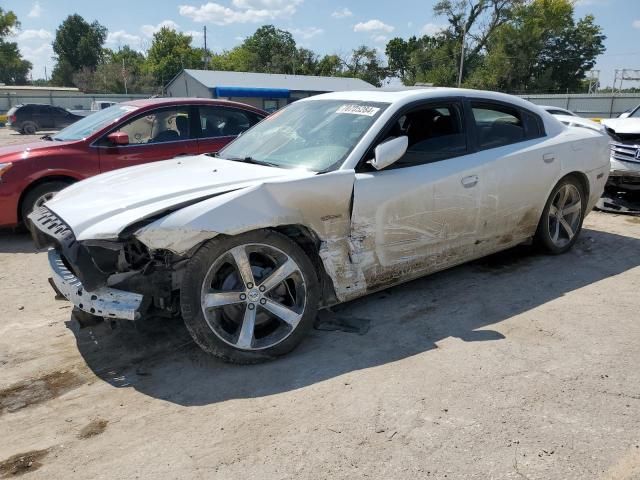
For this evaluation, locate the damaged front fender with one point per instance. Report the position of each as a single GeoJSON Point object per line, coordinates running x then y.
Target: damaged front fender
{"type": "Point", "coordinates": [320, 203]}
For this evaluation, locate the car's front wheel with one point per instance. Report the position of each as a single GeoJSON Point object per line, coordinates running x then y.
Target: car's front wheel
{"type": "Point", "coordinates": [37, 196]}
{"type": "Point", "coordinates": [250, 297]}
{"type": "Point", "coordinates": [29, 128]}
{"type": "Point", "coordinates": [561, 220]}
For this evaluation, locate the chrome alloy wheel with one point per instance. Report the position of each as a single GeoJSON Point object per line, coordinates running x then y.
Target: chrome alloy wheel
{"type": "Point", "coordinates": [253, 296]}
{"type": "Point", "coordinates": [564, 215]}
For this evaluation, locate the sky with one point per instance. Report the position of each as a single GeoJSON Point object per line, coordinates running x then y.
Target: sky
{"type": "Point", "coordinates": [327, 26]}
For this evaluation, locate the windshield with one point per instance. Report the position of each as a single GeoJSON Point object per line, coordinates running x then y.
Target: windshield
{"type": "Point", "coordinates": [315, 135]}
{"type": "Point", "coordinates": [635, 113]}
{"type": "Point", "coordinates": [91, 124]}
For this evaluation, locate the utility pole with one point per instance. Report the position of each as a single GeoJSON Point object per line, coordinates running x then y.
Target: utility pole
{"type": "Point", "coordinates": [124, 77]}
{"type": "Point", "coordinates": [464, 34]}
{"type": "Point", "coordinates": [206, 58]}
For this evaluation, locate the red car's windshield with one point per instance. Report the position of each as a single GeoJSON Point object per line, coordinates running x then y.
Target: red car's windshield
{"type": "Point", "coordinates": [96, 121]}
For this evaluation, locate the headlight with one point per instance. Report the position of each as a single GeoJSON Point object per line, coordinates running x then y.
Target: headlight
{"type": "Point", "coordinates": [3, 168]}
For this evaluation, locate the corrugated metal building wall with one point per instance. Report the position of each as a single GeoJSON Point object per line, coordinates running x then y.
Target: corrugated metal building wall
{"type": "Point", "coordinates": [600, 105]}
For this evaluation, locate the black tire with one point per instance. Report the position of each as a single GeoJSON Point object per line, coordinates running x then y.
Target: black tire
{"type": "Point", "coordinates": [29, 128]}
{"type": "Point", "coordinates": [544, 238]}
{"type": "Point", "coordinates": [34, 195]}
{"type": "Point", "coordinates": [191, 292]}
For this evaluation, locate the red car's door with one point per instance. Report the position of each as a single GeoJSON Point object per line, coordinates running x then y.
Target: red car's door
{"type": "Point", "coordinates": [219, 125]}
{"type": "Point", "coordinates": [158, 134]}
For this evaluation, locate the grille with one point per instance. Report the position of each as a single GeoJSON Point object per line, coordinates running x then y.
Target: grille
{"type": "Point", "coordinates": [624, 152]}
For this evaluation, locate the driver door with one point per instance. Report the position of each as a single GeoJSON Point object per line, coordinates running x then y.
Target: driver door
{"type": "Point", "coordinates": [421, 214]}
{"type": "Point", "coordinates": [158, 134]}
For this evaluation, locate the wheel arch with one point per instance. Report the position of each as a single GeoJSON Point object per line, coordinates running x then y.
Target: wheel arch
{"type": "Point", "coordinates": [310, 243]}
{"type": "Point", "coordinates": [582, 178]}
{"type": "Point", "coordinates": [40, 181]}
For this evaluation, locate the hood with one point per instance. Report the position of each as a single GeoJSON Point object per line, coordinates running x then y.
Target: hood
{"type": "Point", "coordinates": [24, 150]}
{"type": "Point", "coordinates": [624, 126]}
{"type": "Point", "coordinates": [102, 206]}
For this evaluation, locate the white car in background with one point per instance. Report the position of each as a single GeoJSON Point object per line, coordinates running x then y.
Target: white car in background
{"type": "Point", "coordinates": [327, 200]}
{"type": "Point", "coordinates": [553, 110]}
{"type": "Point", "coordinates": [570, 119]}
{"type": "Point", "coordinates": [625, 151]}
{"type": "Point", "coordinates": [575, 121]}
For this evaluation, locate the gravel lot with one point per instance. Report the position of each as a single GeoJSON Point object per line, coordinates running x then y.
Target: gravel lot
{"type": "Point", "coordinates": [518, 366]}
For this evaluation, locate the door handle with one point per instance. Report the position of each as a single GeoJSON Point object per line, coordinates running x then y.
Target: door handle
{"type": "Point", "coordinates": [470, 181]}
{"type": "Point", "coordinates": [548, 157]}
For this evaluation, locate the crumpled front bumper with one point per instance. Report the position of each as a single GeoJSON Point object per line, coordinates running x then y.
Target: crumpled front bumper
{"type": "Point", "coordinates": [104, 301]}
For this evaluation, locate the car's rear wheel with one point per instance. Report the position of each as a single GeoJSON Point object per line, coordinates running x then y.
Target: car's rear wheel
{"type": "Point", "coordinates": [38, 195]}
{"type": "Point", "coordinates": [29, 128]}
{"type": "Point", "coordinates": [561, 220]}
{"type": "Point", "coordinates": [249, 298]}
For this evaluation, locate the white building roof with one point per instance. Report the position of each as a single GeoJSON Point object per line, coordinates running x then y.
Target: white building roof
{"type": "Point", "coordinates": [308, 83]}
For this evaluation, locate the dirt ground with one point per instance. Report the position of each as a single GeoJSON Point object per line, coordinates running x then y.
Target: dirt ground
{"type": "Point", "coordinates": [518, 366]}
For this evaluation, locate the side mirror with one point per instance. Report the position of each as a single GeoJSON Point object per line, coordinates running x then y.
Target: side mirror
{"type": "Point", "coordinates": [389, 152]}
{"type": "Point", "coordinates": [624, 115]}
{"type": "Point", "coordinates": [118, 138]}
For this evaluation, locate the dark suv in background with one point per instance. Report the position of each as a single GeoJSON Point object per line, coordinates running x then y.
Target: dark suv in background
{"type": "Point", "coordinates": [32, 117]}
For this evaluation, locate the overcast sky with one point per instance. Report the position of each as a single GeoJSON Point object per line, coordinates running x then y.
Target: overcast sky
{"type": "Point", "coordinates": [326, 26]}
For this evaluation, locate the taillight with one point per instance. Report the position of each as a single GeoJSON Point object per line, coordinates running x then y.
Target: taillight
{"type": "Point", "coordinates": [12, 118]}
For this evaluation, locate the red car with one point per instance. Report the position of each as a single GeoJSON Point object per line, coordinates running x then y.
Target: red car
{"type": "Point", "coordinates": [123, 135]}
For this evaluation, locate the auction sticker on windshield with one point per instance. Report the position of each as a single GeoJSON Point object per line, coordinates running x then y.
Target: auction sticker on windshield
{"type": "Point", "coordinates": [358, 110]}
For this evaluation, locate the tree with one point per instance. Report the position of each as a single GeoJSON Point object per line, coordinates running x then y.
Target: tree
{"type": "Point", "coordinates": [121, 71]}
{"type": "Point", "coordinates": [511, 45]}
{"type": "Point", "coordinates": [471, 24]}
{"type": "Point", "coordinates": [171, 52]}
{"type": "Point", "coordinates": [542, 48]}
{"type": "Point", "coordinates": [329, 66]}
{"type": "Point", "coordinates": [271, 50]}
{"type": "Point", "coordinates": [364, 63]}
{"type": "Point", "coordinates": [13, 68]}
{"type": "Point", "coordinates": [77, 45]}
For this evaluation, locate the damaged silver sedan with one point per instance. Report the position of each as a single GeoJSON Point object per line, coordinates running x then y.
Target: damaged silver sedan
{"type": "Point", "coordinates": [334, 197]}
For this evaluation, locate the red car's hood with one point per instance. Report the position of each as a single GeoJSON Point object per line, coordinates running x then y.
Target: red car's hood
{"type": "Point", "coordinates": [24, 150]}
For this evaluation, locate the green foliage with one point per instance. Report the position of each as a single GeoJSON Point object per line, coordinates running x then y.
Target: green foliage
{"type": "Point", "coordinates": [170, 52]}
{"type": "Point", "coordinates": [78, 46]}
{"type": "Point", "coordinates": [510, 45]}
{"type": "Point", "coordinates": [122, 71]}
{"type": "Point", "coordinates": [13, 68]}
{"type": "Point", "coordinates": [272, 50]}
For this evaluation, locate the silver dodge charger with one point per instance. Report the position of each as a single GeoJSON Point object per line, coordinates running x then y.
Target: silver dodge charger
{"type": "Point", "coordinates": [329, 199]}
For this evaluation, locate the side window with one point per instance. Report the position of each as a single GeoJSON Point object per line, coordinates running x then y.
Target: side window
{"type": "Point", "coordinates": [225, 122]}
{"type": "Point", "coordinates": [497, 125]}
{"type": "Point", "coordinates": [533, 125]}
{"type": "Point", "coordinates": [157, 126]}
{"type": "Point", "coordinates": [435, 133]}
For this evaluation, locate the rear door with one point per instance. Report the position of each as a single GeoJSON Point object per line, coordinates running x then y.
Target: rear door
{"type": "Point", "coordinates": [220, 125]}
{"type": "Point", "coordinates": [158, 134]}
{"type": "Point", "coordinates": [521, 166]}
{"type": "Point", "coordinates": [42, 116]}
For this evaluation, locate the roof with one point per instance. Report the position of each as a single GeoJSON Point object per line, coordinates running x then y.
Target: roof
{"type": "Point", "coordinates": [38, 89]}
{"type": "Point", "coordinates": [170, 101]}
{"type": "Point", "coordinates": [425, 93]}
{"type": "Point", "coordinates": [308, 83]}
